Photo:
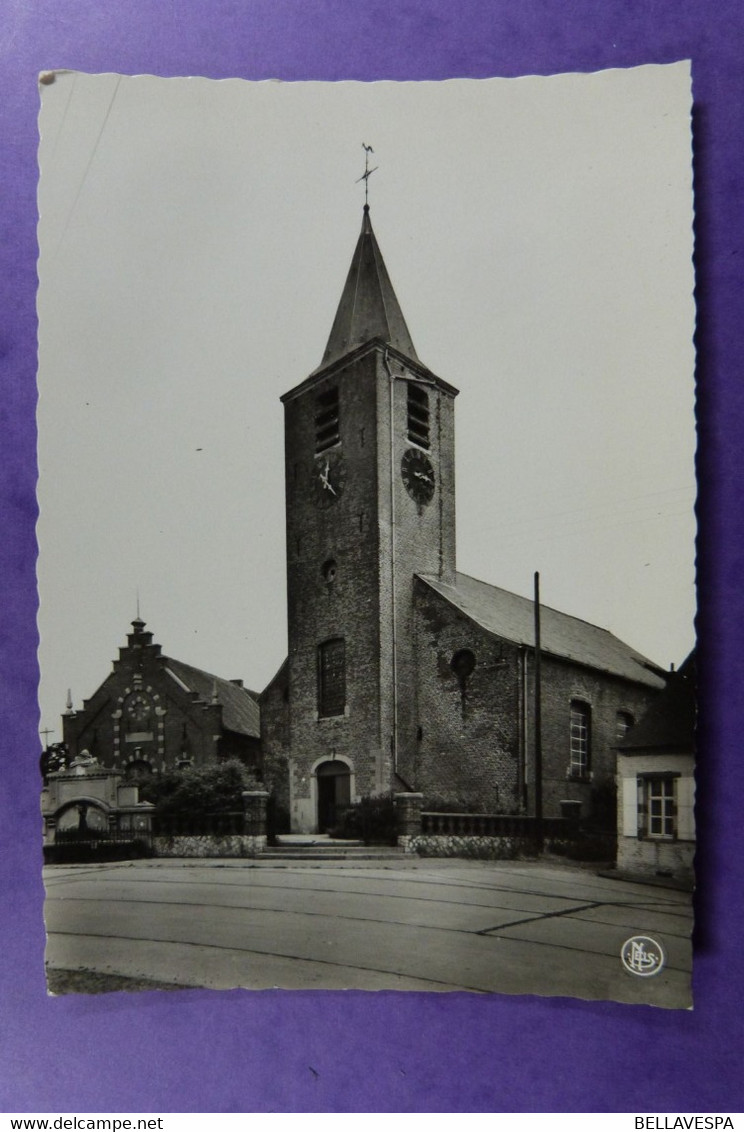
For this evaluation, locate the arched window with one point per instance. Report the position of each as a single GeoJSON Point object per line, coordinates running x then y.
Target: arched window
{"type": "Point", "coordinates": [332, 677]}
{"type": "Point", "coordinates": [580, 742]}
{"type": "Point", "coordinates": [623, 723]}
{"type": "Point", "coordinates": [462, 664]}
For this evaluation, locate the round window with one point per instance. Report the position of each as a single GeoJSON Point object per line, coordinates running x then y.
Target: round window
{"type": "Point", "coordinates": [462, 664]}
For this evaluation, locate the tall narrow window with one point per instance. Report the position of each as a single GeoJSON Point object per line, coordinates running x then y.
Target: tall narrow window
{"type": "Point", "coordinates": [332, 677]}
{"type": "Point", "coordinates": [418, 415]}
{"type": "Point", "coordinates": [327, 420]}
{"type": "Point", "coordinates": [580, 750]}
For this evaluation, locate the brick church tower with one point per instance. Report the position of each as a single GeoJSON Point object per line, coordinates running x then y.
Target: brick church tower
{"type": "Point", "coordinates": [370, 501]}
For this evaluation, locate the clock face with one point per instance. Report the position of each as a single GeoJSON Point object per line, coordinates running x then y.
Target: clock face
{"type": "Point", "coordinates": [329, 478]}
{"type": "Point", "coordinates": [138, 707]}
{"type": "Point", "coordinates": [418, 475]}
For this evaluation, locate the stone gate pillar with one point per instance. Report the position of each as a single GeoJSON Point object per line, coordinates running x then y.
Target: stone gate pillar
{"type": "Point", "coordinates": [254, 817]}
{"type": "Point", "coordinates": [408, 817]}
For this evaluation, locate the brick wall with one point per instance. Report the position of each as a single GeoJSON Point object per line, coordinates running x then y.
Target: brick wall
{"type": "Point", "coordinates": [177, 721]}
{"type": "Point", "coordinates": [605, 696]}
{"type": "Point", "coordinates": [275, 738]}
{"type": "Point", "coordinates": [468, 740]}
{"type": "Point", "coordinates": [377, 537]}
{"type": "Point", "coordinates": [420, 540]}
{"type": "Point", "coordinates": [468, 751]}
{"type": "Point", "coordinates": [342, 531]}
{"type": "Point", "coordinates": [476, 744]}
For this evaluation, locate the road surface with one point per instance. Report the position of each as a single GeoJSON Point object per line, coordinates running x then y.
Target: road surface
{"type": "Point", "coordinates": [405, 924]}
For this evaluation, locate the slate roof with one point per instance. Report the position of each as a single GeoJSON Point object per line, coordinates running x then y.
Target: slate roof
{"type": "Point", "coordinates": [669, 723]}
{"type": "Point", "coordinates": [368, 308]}
{"type": "Point", "coordinates": [512, 617]}
{"type": "Point", "coordinates": [240, 710]}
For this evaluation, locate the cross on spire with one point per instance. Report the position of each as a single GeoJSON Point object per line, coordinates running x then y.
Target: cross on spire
{"type": "Point", "coordinates": [367, 172]}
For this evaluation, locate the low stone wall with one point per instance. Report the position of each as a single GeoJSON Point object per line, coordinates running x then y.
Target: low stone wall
{"type": "Point", "coordinates": [493, 848]}
{"type": "Point", "coordinates": [234, 845]}
{"type": "Point", "coordinates": [475, 848]}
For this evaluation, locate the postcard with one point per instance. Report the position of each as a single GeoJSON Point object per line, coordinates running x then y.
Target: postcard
{"type": "Point", "coordinates": [366, 433]}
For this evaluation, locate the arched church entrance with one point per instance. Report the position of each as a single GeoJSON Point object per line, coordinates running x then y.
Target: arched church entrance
{"type": "Point", "coordinates": [334, 792]}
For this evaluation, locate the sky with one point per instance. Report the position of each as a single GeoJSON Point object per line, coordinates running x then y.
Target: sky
{"type": "Point", "coordinates": [194, 241]}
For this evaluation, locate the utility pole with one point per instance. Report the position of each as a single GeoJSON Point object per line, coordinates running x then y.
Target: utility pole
{"type": "Point", "coordinates": [538, 721]}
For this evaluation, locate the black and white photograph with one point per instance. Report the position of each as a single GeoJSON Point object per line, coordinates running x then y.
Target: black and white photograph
{"type": "Point", "coordinates": [367, 534]}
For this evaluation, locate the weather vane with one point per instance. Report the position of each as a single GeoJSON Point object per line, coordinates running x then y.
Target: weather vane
{"type": "Point", "coordinates": [367, 173]}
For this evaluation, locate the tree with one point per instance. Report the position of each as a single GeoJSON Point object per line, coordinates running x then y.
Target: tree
{"type": "Point", "coordinates": [213, 789]}
{"type": "Point", "coordinates": [55, 757]}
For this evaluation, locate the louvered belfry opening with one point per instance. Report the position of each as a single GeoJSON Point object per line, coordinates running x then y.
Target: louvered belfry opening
{"type": "Point", "coordinates": [327, 420]}
{"type": "Point", "coordinates": [418, 415]}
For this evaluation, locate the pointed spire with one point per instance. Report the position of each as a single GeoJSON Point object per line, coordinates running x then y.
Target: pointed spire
{"type": "Point", "coordinates": [368, 308]}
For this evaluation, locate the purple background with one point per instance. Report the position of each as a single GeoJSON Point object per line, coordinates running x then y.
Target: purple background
{"type": "Point", "coordinates": [239, 1051]}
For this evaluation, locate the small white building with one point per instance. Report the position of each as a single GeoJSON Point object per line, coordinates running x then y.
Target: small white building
{"type": "Point", "coordinates": [656, 784]}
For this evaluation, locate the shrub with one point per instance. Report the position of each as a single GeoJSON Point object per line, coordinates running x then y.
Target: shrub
{"type": "Point", "coordinates": [372, 820]}
{"type": "Point", "coordinates": [212, 789]}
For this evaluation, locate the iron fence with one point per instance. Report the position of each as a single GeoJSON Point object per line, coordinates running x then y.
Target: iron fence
{"type": "Point", "coordinates": [226, 824]}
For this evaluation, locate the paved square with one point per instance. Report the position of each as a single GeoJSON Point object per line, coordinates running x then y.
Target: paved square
{"type": "Point", "coordinates": [428, 925]}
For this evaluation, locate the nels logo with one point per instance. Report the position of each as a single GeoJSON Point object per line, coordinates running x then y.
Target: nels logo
{"type": "Point", "coordinates": [642, 955]}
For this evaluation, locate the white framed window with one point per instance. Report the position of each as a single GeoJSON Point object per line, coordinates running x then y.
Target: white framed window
{"type": "Point", "coordinates": [579, 764]}
{"type": "Point", "coordinates": [658, 805]}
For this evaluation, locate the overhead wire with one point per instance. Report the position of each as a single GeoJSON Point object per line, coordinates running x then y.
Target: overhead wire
{"type": "Point", "coordinates": [88, 165]}
{"type": "Point", "coordinates": [63, 121]}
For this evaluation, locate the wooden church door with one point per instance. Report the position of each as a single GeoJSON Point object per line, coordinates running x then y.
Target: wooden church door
{"type": "Point", "coordinates": [334, 792]}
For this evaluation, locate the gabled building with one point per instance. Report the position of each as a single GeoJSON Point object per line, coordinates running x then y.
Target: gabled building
{"type": "Point", "coordinates": [656, 783]}
{"type": "Point", "coordinates": [403, 674]}
{"type": "Point", "coordinates": [153, 713]}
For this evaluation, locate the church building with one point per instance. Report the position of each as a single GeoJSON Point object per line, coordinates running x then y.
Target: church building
{"type": "Point", "coordinates": [403, 674]}
{"type": "Point", "coordinates": [153, 713]}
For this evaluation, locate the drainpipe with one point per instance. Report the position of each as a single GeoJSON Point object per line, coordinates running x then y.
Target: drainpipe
{"type": "Point", "coordinates": [391, 382]}
{"type": "Point", "coordinates": [522, 762]}
{"type": "Point", "coordinates": [538, 717]}
{"type": "Point", "coordinates": [393, 595]}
